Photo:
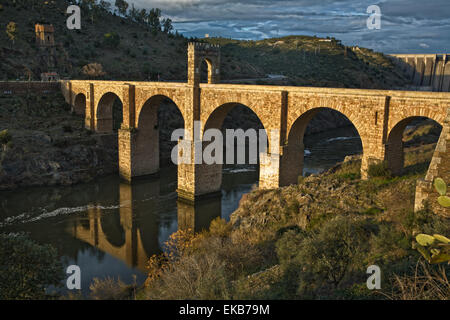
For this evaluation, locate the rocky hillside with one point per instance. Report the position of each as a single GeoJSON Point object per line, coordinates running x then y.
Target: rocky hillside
{"type": "Point", "coordinates": [129, 49]}
{"type": "Point", "coordinates": [43, 144]}
{"type": "Point", "coordinates": [310, 61]}
{"type": "Point", "coordinates": [314, 240]}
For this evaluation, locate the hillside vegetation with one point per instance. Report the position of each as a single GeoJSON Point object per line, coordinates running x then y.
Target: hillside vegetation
{"type": "Point", "coordinates": [313, 240]}
{"type": "Point", "coordinates": [138, 45]}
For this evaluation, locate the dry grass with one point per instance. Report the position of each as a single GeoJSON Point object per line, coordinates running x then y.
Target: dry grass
{"type": "Point", "coordinates": [427, 283]}
{"type": "Point", "coordinates": [111, 289]}
{"type": "Point", "coordinates": [200, 266]}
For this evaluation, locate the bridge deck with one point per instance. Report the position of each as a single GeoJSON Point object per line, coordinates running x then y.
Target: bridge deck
{"type": "Point", "coordinates": [269, 88]}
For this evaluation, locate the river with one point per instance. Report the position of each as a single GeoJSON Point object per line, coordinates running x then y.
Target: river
{"type": "Point", "coordinates": [110, 229]}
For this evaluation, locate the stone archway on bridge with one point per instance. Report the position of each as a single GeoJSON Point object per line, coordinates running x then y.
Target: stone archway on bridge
{"type": "Point", "coordinates": [109, 113]}
{"type": "Point", "coordinates": [79, 106]}
{"type": "Point", "coordinates": [215, 120]}
{"type": "Point", "coordinates": [147, 148]}
{"type": "Point", "coordinates": [395, 155]}
{"type": "Point", "coordinates": [199, 53]}
{"type": "Point", "coordinates": [206, 71]}
{"type": "Point", "coordinates": [294, 150]}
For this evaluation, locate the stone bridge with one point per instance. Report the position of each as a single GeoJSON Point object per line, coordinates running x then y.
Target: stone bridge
{"type": "Point", "coordinates": [379, 116]}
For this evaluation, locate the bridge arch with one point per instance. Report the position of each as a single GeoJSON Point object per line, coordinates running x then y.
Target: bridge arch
{"type": "Point", "coordinates": [107, 117]}
{"type": "Point", "coordinates": [404, 109]}
{"type": "Point", "coordinates": [147, 153]}
{"type": "Point", "coordinates": [394, 155]}
{"type": "Point", "coordinates": [199, 52]}
{"type": "Point", "coordinates": [207, 67]}
{"type": "Point", "coordinates": [215, 110]}
{"type": "Point", "coordinates": [79, 105]}
{"type": "Point", "coordinates": [216, 120]}
{"type": "Point", "coordinates": [294, 150]}
{"type": "Point", "coordinates": [216, 117]}
{"type": "Point", "coordinates": [112, 229]}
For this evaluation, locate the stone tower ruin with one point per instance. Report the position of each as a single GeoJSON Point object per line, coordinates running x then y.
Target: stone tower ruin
{"type": "Point", "coordinates": [45, 41]}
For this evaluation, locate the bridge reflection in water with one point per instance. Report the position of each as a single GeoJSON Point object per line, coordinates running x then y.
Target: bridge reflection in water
{"type": "Point", "coordinates": [132, 232]}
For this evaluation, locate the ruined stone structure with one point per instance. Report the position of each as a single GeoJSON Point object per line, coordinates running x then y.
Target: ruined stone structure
{"type": "Point", "coordinates": [45, 41]}
{"type": "Point", "coordinates": [379, 117]}
{"type": "Point", "coordinates": [45, 35]}
{"type": "Point", "coordinates": [429, 72]}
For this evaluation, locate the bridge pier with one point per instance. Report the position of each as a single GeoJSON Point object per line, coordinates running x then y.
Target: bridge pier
{"type": "Point", "coordinates": [138, 153]}
{"type": "Point", "coordinates": [195, 217]}
{"type": "Point", "coordinates": [130, 251]}
{"type": "Point", "coordinates": [89, 120]}
{"type": "Point", "coordinates": [279, 170]}
{"type": "Point", "coordinates": [196, 179]}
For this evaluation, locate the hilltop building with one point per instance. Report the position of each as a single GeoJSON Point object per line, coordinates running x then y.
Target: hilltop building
{"type": "Point", "coordinates": [45, 41]}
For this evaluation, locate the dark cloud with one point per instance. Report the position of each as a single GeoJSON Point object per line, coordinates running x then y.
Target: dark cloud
{"type": "Point", "coordinates": [407, 25]}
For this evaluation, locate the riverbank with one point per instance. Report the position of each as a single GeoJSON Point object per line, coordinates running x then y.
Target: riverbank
{"type": "Point", "coordinates": [313, 240]}
{"type": "Point", "coordinates": [44, 144]}
{"type": "Point", "coordinates": [247, 252]}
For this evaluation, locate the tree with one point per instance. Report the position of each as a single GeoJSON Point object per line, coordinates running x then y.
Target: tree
{"type": "Point", "coordinates": [91, 5]}
{"type": "Point", "coordinates": [11, 31]}
{"type": "Point", "coordinates": [153, 19]}
{"type": "Point", "coordinates": [27, 268]}
{"type": "Point", "coordinates": [105, 5]}
{"type": "Point", "coordinates": [122, 6]}
{"type": "Point", "coordinates": [143, 16]}
{"type": "Point", "coordinates": [134, 13]}
{"type": "Point", "coordinates": [167, 25]}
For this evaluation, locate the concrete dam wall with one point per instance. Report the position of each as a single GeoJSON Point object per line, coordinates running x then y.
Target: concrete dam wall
{"type": "Point", "coordinates": [427, 72]}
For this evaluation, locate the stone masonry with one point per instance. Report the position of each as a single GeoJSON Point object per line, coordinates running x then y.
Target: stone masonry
{"type": "Point", "coordinates": [439, 168]}
{"type": "Point", "coordinates": [429, 71]}
{"type": "Point", "coordinates": [378, 115]}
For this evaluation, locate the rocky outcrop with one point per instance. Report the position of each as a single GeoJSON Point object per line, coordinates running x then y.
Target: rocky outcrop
{"type": "Point", "coordinates": [48, 145]}
{"type": "Point", "coordinates": [39, 160]}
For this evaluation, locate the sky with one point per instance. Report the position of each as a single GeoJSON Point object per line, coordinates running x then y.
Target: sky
{"type": "Point", "coordinates": [407, 26]}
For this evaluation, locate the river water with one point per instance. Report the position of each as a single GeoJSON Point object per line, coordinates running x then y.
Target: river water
{"type": "Point", "coordinates": [110, 229]}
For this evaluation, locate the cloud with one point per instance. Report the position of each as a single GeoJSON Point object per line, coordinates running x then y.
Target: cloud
{"type": "Point", "coordinates": [405, 24]}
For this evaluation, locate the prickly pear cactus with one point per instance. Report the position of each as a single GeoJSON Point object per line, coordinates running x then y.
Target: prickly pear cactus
{"type": "Point", "coordinates": [441, 188]}
{"type": "Point", "coordinates": [435, 248]}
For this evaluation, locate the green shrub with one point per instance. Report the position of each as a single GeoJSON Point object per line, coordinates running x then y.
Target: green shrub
{"type": "Point", "coordinates": [318, 263]}
{"type": "Point", "coordinates": [27, 268]}
{"type": "Point", "coordinates": [379, 170]}
{"type": "Point", "coordinates": [111, 40]}
{"type": "Point", "coordinates": [5, 137]}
